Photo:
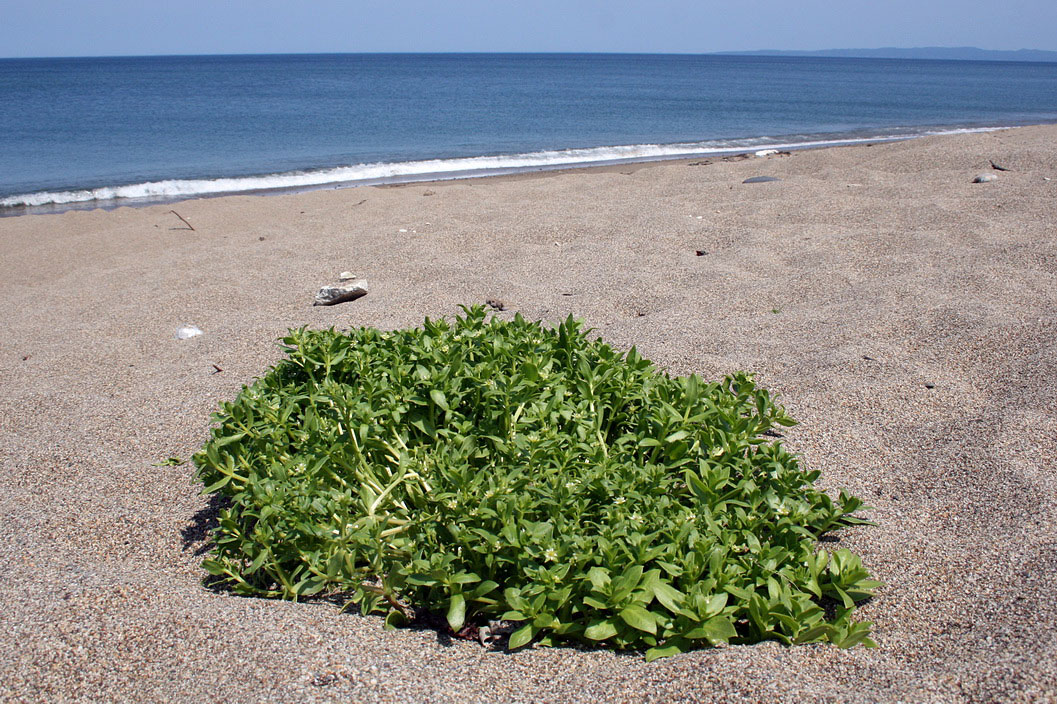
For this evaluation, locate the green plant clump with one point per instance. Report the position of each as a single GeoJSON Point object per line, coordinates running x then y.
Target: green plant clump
{"type": "Point", "coordinates": [485, 469]}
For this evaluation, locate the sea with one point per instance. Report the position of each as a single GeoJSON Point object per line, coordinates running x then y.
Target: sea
{"type": "Point", "coordinates": [106, 132]}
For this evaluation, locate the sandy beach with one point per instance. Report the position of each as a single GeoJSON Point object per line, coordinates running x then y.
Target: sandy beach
{"type": "Point", "coordinates": [906, 316]}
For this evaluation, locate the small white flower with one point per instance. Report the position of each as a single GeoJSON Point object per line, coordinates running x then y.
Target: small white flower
{"type": "Point", "coordinates": [550, 555]}
{"type": "Point", "coordinates": [619, 500]}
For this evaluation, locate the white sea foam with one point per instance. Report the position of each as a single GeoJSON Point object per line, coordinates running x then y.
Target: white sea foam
{"type": "Point", "coordinates": [431, 169]}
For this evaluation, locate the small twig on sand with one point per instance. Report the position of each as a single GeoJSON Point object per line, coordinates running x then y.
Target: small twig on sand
{"type": "Point", "coordinates": [218, 369]}
{"type": "Point", "coordinates": [189, 227]}
{"type": "Point", "coordinates": [996, 167]}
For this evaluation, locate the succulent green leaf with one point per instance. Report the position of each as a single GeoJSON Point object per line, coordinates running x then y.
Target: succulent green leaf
{"type": "Point", "coordinates": [664, 651]}
{"type": "Point", "coordinates": [599, 578]}
{"type": "Point", "coordinates": [601, 630]}
{"type": "Point", "coordinates": [521, 637]}
{"type": "Point", "coordinates": [439, 398]}
{"type": "Point", "coordinates": [670, 597]}
{"type": "Point", "coordinates": [638, 617]}
{"type": "Point", "coordinates": [457, 612]}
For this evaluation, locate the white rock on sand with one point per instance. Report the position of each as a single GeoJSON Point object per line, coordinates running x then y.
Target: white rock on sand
{"type": "Point", "coordinates": [341, 293]}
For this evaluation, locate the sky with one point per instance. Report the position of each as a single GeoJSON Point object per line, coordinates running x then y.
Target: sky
{"type": "Point", "coordinates": [144, 27]}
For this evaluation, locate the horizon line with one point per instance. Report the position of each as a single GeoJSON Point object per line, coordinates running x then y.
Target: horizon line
{"type": "Point", "coordinates": [791, 53]}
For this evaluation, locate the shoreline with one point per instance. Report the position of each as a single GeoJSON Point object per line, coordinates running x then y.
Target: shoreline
{"type": "Point", "coordinates": [821, 141]}
{"type": "Point", "coordinates": [905, 316]}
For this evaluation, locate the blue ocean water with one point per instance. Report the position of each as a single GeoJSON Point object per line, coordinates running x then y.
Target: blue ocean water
{"type": "Point", "coordinates": [108, 131]}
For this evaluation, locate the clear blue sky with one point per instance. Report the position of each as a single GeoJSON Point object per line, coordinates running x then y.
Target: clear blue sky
{"type": "Point", "coordinates": [120, 27]}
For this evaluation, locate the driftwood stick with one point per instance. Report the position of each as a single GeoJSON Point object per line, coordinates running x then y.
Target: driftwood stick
{"type": "Point", "coordinates": [189, 226]}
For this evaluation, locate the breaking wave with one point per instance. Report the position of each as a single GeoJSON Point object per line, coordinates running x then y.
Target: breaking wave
{"type": "Point", "coordinates": [437, 169]}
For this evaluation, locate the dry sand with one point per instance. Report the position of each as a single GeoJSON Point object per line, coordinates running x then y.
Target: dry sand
{"type": "Point", "coordinates": [863, 276]}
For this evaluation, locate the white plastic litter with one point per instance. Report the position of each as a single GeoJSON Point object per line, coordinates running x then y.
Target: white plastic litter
{"type": "Point", "coordinates": [186, 332]}
{"type": "Point", "coordinates": [766, 152]}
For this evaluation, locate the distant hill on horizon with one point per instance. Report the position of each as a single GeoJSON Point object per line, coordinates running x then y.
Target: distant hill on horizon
{"type": "Point", "coordinates": [959, 53]}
